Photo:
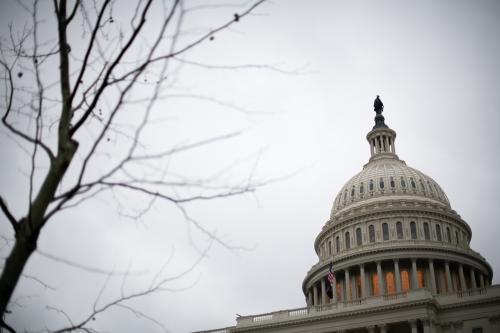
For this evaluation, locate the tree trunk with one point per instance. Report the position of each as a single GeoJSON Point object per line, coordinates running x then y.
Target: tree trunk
{"type": "Point", "coordinates": [14, 266]}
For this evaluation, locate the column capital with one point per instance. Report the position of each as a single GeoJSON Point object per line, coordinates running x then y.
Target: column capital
{"type": "Point", "coordinates": [396, 260]}
{"type": "Point", "coordinates": [413, 323]}
{"type": "Point", "coordinates": [431, 261]}
{"type": "Point", "coordinates": [413, 260]}
{"type": "Point", "coordinates": [362, 265]}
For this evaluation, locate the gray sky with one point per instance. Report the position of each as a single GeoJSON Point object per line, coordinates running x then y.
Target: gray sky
{"type": "Point", "coordinates": [436, 67]}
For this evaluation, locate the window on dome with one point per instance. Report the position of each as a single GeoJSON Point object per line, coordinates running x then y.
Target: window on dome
{"type": "Point", "coordinates": [449, 234]}
{"type": "Point", "coordinates": [412, 182]}
{"type": "Point", "coordinates": [337, 244]}
{"type": "Point", "coordinates": [427, 233]}
{"type": "Point", "coordinates": [399, 230]}
{"type": "Point", "coordinates": [438, 232]}
{"type": "Point", "coordinates": [330, 248]}
{"type": "Point", "coordinates": [345, 195]}
{"type": "Point", "coordinates": [371, 232]}
{"type": "Point", "coordinates": [347, 240]}
{"type": "Point", "coordinates": [371, 184]}
{"type": "Point", "coordinates": [361, 188]}
{"type": "Point", "coordinates": [403, 183]}
{"type": "Point", "coordinates": [374, 286]}
{"type": "Point", "coordinates": [413, 229]}
{"type": "Point", "coordinates": [352, 192]}
{"type": "Point", "coordinates": [405, 280]}
{"type": "Point", "coordinates": [422, 186]}
{"type": "Point", "coordinates": [393, 184]}
{"type": "Point", "coordinates": [430, 188]}
{"type": "Point", "coordinates": [420, 278]}
{"type": "Point", "coordinates": [385, 231]}
{"type": "Point", "coordinates": [381, 183]}
{"type": "Point", "coordinates": [456, 237]}
{"type": "Point", "coordinates": [389, 282]}
{"type": "Point", "coordinates": [359, 240]}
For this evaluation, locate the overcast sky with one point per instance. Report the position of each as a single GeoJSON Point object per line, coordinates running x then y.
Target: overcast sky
{"type": "Point", "coordinates": [435, 65]}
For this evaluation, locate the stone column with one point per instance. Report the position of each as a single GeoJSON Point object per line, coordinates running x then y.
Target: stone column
{"type": "Point", "coordinates": [413, 325]}
{"type": "Point", "coordinates": [323, 291]}
{"type": "Point", "coordinates": [382, 328]}
{"type": "Point", "coordinates": [315, 294]}
{"type": "Point", "coordinates": [427, 326]}
{"type": "Point", "coordinates": [310, 300]}
{"type": "Point", "coordinates": [481, 279]}
{"type": "Point", "coordinates": [347, 280]}
{"type": "Point", "coordinates": [448, 276]}
{"type": "Point", "coordinates": [362, 277]}
{"type": "Point", "coordinates": [334, 290]}
{"type": "Point", "coordinates": [397, 275]}
{"type": "Point", "coordinates": [463, 286]}
{"type": "Point", "coordinates": [380, 278]}
{"type": "Point", "coordinates": [414, 273]}
{"type": "Point", "coordinates": [432, 276]}
{"type": "Point", "coordinates": [472, 278]}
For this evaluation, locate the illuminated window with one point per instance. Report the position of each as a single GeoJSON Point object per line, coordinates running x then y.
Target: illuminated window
{"type": "Point", "coordinates": [399, 230]}
{"type": "Point", "coordinates": [427, 233]}
{"type": "Point", "coordinates": [413, 229]}
{"type": "Point", "coordinates": [359, 239]}
{"type": "Point", "coordinates": [438, 232]}
{"type": "Point", "coordinates": [405, 280]}
{"type": "Point", "coordinates": [358, 287]}
{"type": "Point", "coordinates": [375, 284]}
{"type": "Point", "coordinates": [371, 232]}
{"type": "Point", "coordinates": [420, 278]}
{"type": "Point", "coordinates": [389, 282]}
{"type": "Point", "coordinates": [338, 291]}
{"type": "Point", "coordinates": [347, 240]}
{"type": "Point", "coordinates": [385, 231]}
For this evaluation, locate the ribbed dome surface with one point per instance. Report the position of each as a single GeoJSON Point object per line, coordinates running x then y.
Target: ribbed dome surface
{"type": "Point", "coordinates": [384, 178]}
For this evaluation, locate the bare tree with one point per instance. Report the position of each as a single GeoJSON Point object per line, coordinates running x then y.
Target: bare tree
{"type": "Point", "coordinates": [64, 120]}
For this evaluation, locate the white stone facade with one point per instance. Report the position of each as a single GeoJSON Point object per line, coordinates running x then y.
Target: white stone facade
{"type": "Point", "coordinates": [401, 259]}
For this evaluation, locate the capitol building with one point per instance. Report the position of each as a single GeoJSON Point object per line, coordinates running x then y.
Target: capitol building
{"type": "Point", "coordinates": [400, 255]}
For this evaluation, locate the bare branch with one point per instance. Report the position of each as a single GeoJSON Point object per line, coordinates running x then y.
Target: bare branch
{"type": "Point", "coordinates": [8, 214]}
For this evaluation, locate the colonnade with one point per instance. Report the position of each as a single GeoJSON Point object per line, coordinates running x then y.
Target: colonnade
{"type": "Point", "coordinates": [395, 276]}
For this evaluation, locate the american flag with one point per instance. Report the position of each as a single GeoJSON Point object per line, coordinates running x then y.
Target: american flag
{"type": "Point", "coordinates": [331, 276]}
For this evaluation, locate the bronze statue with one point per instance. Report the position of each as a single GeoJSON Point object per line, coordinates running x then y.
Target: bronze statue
{"type": "Point", "coordinates": [378, 105]}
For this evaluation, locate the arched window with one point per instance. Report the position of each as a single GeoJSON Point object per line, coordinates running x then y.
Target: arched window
{"type": "Point", "coordinates": [399, 230]}
{"type": "Point", "coordinates": [371, 232]}
{"type": "Point", "coordinates": [381, 183]}
{"type": "Point", "coordinates": [361, 188]}
{"type": "Point", "coordinates": [403, 183]}
{"type": "Point", "coordinates": [337, 244]}
{"type": "Point", "coordinates": [412, 182]}
{"type": "Point", "coordinates": [413, 229]}
{"type": "Point", "coordinates": [371, 184]}
{"type": "Point", "coordinates": [347, 241]}
{"type": "Point", "coordinates": [420, 278]}
{"type": "Point", "coordinates": [438, 232]}
{"type": "Point", "coordinates": [427, 233]}
{"type": "Point", "coordinates": [385, 231]}
{"type": "Point", "coordinates": [449, 234]}
{"type": "Point", "coordinates": [359, 240]}
{"type": "Point", "coordinates": [352, 192]}
{"type": "Point", "coordinates": [393, 184]}
{"type": "Point", "coordinates": [422, 186]}
{"type": "Point", "coordinates": [456, 237]}
{"type": "Point", "coordinates": [330, 247]}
